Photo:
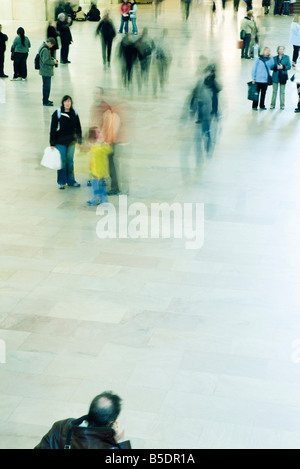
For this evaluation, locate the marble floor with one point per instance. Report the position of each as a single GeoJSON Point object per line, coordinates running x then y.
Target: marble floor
{"type": "Point", "coordinates": [202, 345]}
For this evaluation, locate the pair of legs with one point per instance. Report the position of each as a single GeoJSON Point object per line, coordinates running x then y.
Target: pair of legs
{"type": "Point", "coordinates": [114, 187]}
{"type": "Point", "coordinates": [245, 47]}
{"type": "Point", "coordinates": [124, 24]}
{"type": "Point", "coordinates": [202, 138]}
{"type": "Point", "coordinates": [64, 52]}
{"type": "Point", "coordinates": [46, 89]}
{"type": "Point", "coordinates": [20, 65]}
{"type": "Point", "coordinates": [298, 91]}
{"type": "Point", "coordinates": [2, 74]}
{"type": "Point", "coordinates": [66, 174]}
{"type": "Point", "coordinates": [100, 194]}
{"type": "Point", "coordinates": [262, 90]}
{"type": "Point", "coordinates": [106, 49]}
{"type": "Point", "coordinates": [281, 94]}
{"type": "Point", "coordinates": [134, 26]}
{"type": "Point", "coordinates": [295, 53]}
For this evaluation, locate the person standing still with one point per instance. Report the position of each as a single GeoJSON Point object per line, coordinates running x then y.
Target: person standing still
{"type": "Point", "coordinates": [3, 39]}
{"type": "Point", "coordinates": [261, 73]}
{"type": "Point", "coordinates": [19, 50]}
{"type": "Point", "coordinates": [47, 64]}
{"type": "Point", "coordinates": [125, 8]}
{"type": "Point", "coordinates": [133, 12]}
{"type": "Point", "coordinates": [65, 131]}
{"type": "Point", "coordinates": [63, 27]}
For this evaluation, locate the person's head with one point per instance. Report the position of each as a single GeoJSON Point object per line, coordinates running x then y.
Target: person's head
{"type": "Point", "coordinates": [266, 52]}
{"type": "Point", "coordinates": [280, 50]}
{"type": "Point", "coordinates": [67, 102]}
{"type": "Point", "coordinates": [61, 17]}
{"type": "Point", "coordinates": [50, 42]}
{"type": "Point", "coordinates": [104, 409]}
{"type": "Point", "coordinates": [250, 14]}
{"type": "Point", "coordinates": [21, 33]}
{"type": "Point", "coordinates": [94, 134]}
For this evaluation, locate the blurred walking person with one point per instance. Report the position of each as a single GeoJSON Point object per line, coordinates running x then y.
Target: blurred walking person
{"type": "Point", "coordinates": [107, 32]}
{"type": "Point", "coordinates": [52, 32]}
{"type": "Point", "coordinates": [162, 58]}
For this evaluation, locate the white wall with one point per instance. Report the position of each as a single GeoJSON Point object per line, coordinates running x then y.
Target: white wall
{"type": "Point", "coordinates": [29, 10]}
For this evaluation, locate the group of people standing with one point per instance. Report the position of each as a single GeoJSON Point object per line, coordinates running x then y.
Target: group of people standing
{"type": "Point", "coordinates": [101, 142]}
{"type": "Point", "coordinates": [268, 70]}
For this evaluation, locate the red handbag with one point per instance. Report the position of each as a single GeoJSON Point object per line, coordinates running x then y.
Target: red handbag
{"type": "Point", "coordinates": [240, 44]}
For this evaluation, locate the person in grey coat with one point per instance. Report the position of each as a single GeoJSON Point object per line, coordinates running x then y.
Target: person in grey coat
{"type": "Point", "coordinates": [282, 64]}
{"type": "Point", "coordinates": [47, 64]}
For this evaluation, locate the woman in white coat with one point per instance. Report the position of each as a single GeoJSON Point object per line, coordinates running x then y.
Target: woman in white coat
{"type": "Point", "coordinates": [295, 37]}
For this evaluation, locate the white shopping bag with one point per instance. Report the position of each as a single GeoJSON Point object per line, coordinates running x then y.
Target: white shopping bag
{"type": "Point", "coordinates": [51, 158]}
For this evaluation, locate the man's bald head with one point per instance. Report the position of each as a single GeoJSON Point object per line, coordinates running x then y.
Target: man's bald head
{"type": "Point", "coordinates": [104, 409]}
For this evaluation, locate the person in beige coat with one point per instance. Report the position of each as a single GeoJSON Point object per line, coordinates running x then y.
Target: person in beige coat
{"type": "Point", "coordinates": [248, 29]}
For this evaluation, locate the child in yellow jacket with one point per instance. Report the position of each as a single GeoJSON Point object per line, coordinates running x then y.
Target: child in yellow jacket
{"type": "Point", "coordinates": [99, 152]}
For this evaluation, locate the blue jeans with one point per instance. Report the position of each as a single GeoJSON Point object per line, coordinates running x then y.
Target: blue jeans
{"type": "Point", "coordinates": [134, 27]}
{"type": "Point", "coordinates": [46, 89]}
{"type": "Point", "coordinates": [122, 25]}
{"type": "Point", "coordinates": [99, 188]}
{"type": "Point", "coordinates": [66, 174]}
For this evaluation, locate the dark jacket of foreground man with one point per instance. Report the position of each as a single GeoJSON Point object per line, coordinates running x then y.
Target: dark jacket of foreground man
{"type": "Point", "coordinates": [73, 434]}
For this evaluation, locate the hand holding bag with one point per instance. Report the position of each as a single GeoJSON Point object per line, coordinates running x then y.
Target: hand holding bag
{"type": "Point", "coordinates": [252, 91]}
{"type": "Point", "coordinates": [52, 158]}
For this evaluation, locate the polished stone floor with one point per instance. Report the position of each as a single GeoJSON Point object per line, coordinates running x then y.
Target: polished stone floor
{"type": "Point", "coordinates": [202, 345]}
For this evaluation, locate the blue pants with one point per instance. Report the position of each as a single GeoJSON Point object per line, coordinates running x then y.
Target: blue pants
{"type": "Point", "coordinates": [122, 24]}
{"type": "Point", "coordinates": [46, 89]}
{"type": "Point", "coordinates": [99, 189]}
{"type": "Point", "coordinates": [66, 174]}
{"type": "Point", "coordinates": [134, 26]}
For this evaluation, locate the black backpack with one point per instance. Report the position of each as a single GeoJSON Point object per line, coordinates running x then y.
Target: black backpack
{"type": "Point", "coordinates": [37, 59]}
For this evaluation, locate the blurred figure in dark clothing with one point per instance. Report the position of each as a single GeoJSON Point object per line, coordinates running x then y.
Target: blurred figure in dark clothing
{"type": "Point", "coordinates": [128, 55]}
{"type": "Point", "coordinates": [211, 82]}
{"type": "Point", "coordinates": [107, 32]}
{"type": "Point", "coordinates": [186, 5]}
{"type": "Point", "coordinates": [144, 45]}
{"type": "Point", "coordinates": [52, 32]}
{"type": "Point", "coordinates": [162, 58]}
{"type": "Point", "coordinates": [201, 109]}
